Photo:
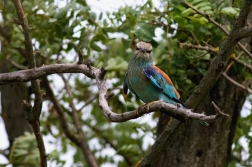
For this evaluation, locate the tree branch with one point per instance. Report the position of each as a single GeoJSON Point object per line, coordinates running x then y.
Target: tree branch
{"type": "Point", "coordinates": [31, 74]}
{"type": "Point", "coordinates": [62, 118]}
{"type": "Point", "coordinates": [88, 155]}
{"type": "Point", "coordinates": [246, 66]}
{"type": "Point", "coordinates": [236, 83]}
{"type": "Point", "coordinates": [219, 110]}
{"type": "Point", "coordinates": [198, 47]}
{"type": "Point", "coordinates": [36, 109]}
{"type": "Point", "coordinates": [12, 62]}
{"type": "Point", "coordinates": [36, 129]}
{"type": "Point", "coordinates": [244, 32]}
{"type": "Point", "coordinates": [4, 153]}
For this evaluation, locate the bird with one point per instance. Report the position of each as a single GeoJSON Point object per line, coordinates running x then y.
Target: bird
{"type": "Point", "coordinates": [150, 83]}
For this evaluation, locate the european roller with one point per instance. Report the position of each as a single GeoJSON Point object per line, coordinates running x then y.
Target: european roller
{"type": "Point", "coordinates": [148, 82]}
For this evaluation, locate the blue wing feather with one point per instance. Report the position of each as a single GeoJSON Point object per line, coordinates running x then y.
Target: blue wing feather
{"type": "Point", "coordinates": [158, 80]}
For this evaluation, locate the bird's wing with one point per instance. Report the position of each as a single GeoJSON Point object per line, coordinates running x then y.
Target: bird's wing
{"type": "Point", "coordinates": [125, 86]}
{"type": "Point", "coordinates": [162, 81]}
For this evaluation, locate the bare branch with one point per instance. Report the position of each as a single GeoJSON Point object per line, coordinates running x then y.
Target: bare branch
{"type": "Point", "coordinates": [80, 55]}
{"type": "Point", "coordinates": [29, 56]}
{"type": "Point", "coordinates": [27, 33]}
{"type": "Point", "coordinates": [31, 74]}
{"type": "Point", "coordinates": [219, 110]}
{"type": "Point", "coordinates": [18, 66]}
{"type": "Point", "coordinates": [246, 66]}
{"type": "Point", "coordinates": [62, 118]}
{"type": "Point", "coordinates": [88, 155]}
{"type": "Point", "coordinates": [198, 47]}
{"type": "Point", "coordinates": [36, 129]}
{"type": "Point", "coordinates": [236, 83]}
{"type": "Point", "coordinates": [36, 109]}
{"type": "Point", "coordinates": [245, 50]}
{"type": "Point", "coordinates": [4, 153]}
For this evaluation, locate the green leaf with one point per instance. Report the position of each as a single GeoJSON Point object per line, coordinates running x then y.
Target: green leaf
{"type": "Point", "coordinates": [95, 47]}
{"type": "Point", "coordinates": [230, 11]}
{"type": "Point", "coordinates": [145, 31]}
{"type": "Point", "coordinates": [187, 12]}
{"type": "Point", "coordinates": [62, 12]}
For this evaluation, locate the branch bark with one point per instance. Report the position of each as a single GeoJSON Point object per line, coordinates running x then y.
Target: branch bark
{"type": "Point", "coordinates": [36, 109]}
{"type": "Point", "coordinates": [35, 73]}
{"type": "Point", "coordinates": [198, 47]}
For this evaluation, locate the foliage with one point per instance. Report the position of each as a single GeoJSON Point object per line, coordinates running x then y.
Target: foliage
{"type": "Point", "coordinates": [24, 151]}
{"type": "Point", "coordinates": [59, 32]}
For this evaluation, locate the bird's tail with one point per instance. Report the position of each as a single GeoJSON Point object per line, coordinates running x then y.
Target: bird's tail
{"type": "Point", "coordinates": [203, 122]}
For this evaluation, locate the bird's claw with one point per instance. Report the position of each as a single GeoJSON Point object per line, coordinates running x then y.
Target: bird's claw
{"type": "Point", "coordinates": [137, 111]}
{"type": "Point", "coordinates": [148, 104]}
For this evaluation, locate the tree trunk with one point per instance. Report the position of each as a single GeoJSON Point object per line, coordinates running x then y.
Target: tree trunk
{"type": "Point", "coordinates": [13, 114]}
{"type": "Point", "coordinates": [200, 146]}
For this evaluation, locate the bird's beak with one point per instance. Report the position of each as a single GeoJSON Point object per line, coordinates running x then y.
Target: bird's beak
{"type": "Point", "coordinates": [142, 50]}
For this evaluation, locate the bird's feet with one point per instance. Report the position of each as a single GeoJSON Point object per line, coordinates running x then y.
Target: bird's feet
{"type": "Point", "coordinates": [148, 104]}
{"type": "Point", "coordinates": [137, 111]}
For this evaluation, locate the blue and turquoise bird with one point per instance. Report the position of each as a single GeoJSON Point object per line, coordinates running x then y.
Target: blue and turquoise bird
{"type": "Point", "coordinates": [148, 82]}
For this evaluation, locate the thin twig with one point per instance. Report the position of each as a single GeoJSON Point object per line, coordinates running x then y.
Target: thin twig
{"type": "Point", "coordinates": [88, 155]}
{"type": "Point", "coordinates": [198, 47]}
{"type": "Point", "coordinates": [80, 56]}
{"type": "Point", "coordinates": [4, 153]}
{"type": "Point", "coordinates": [232, 62]}
{"type": "Point", "coordinates": [219, 110]}
{"type": "Point", "coordinates": [236, 83]}
{"type": "Point", "coordinates": [18, 66]}
{"type": "Point", "coordinates": [62, 118]}
{"type": "Point", "coordinates": [246, 66]}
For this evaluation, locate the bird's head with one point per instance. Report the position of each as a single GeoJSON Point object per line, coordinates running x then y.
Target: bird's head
{"type": "Point", "coordinates": [143, 50]}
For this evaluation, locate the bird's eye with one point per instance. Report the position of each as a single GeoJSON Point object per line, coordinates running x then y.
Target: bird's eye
{"type": "Point", "coordinates": [148, 51]}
